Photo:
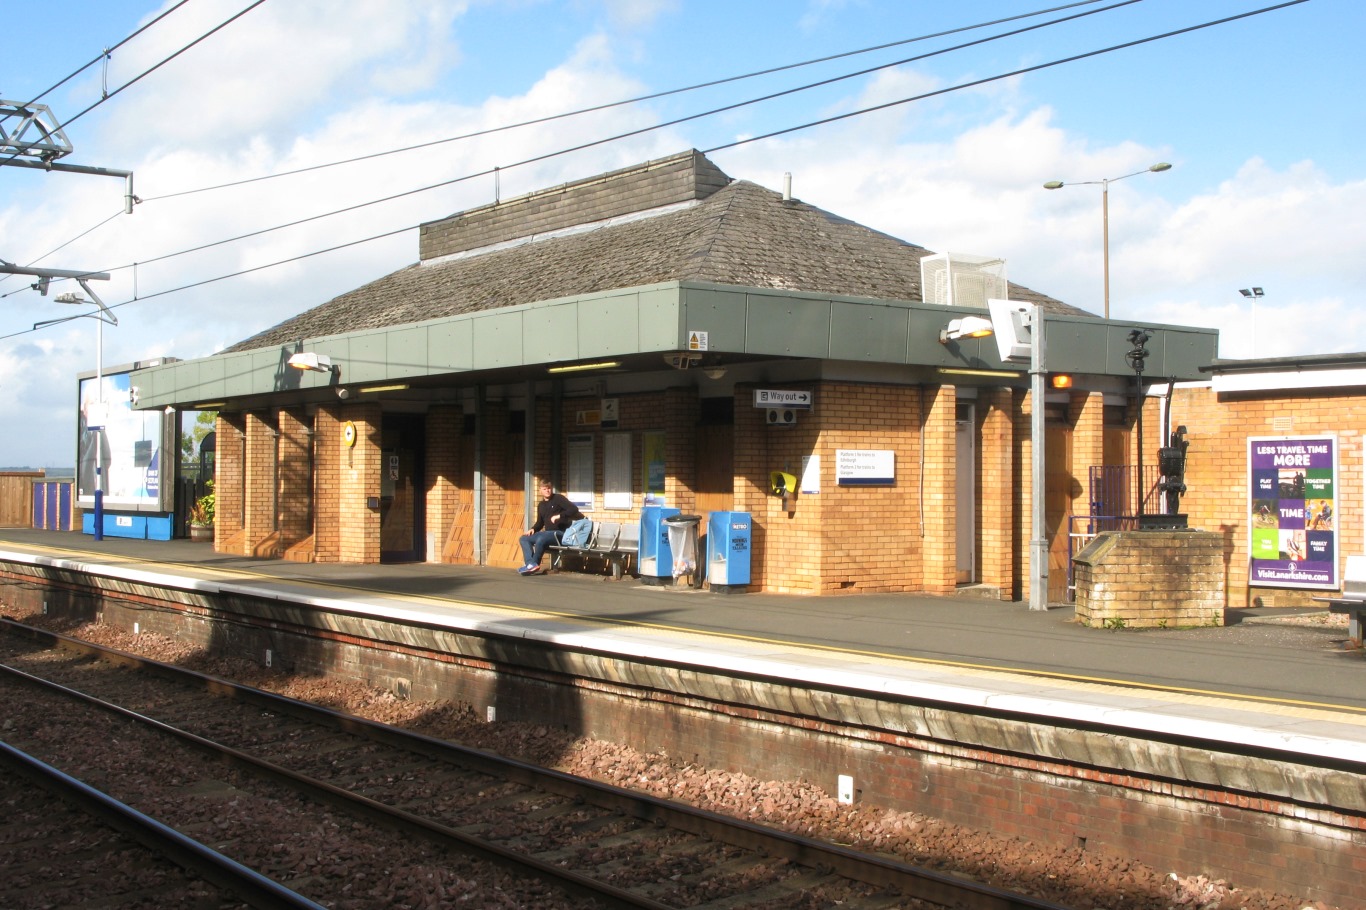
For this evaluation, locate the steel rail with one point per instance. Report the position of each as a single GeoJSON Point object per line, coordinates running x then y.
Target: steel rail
{"type": "Point", "coordinates": [189, 854]}
{"type": "Point", "coordinates": [911, 881]}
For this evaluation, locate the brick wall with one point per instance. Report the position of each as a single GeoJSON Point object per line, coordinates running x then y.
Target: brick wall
{"type": "Point", "coordinates": [1151, 579]}
{"type": "Point", "coordinates": [360, 466]}
{"type": "Point", "coordinates": [444, 480]}
{"type": "Point", "coordinates": [939, 492]}
{"type": "Point", "coordinates": [680, 178]}
{"type": "Point", "coordinates": [229, 480]}
{"type": "Point", "coordinates": [998, 541]}
{"type": "Point", "coordinates": [1218, 428]}
{"type": "Point", "coordinates": [295, 506]}
{"type": "Point", "coordinates": [327, 427]}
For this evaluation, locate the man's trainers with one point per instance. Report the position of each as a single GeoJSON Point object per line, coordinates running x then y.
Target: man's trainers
{"type": "Point", "coordinates": [529, 570]}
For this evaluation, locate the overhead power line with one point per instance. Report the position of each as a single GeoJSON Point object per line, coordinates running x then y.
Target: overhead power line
{"type": "Point", "coordinates": [628, 134]}
{"type": "Point", "coordinates": [560, 116]}
{"type": "Point", "coordinates": [147, 72]}
{"type": "Point", "coordinates": [792, 129]}
{"type": "Point", "coordinates": [636, 100]}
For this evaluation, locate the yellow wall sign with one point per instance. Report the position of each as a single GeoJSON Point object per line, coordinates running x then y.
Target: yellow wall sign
{"type": "Point", "coordinates": [349, 433]}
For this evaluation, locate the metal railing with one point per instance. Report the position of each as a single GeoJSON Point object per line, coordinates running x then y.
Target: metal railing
{"type": "Point", "coordinates": [1113, 507]}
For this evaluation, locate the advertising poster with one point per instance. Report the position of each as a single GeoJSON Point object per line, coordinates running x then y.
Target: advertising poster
{"type": "Point", "coordinates": [125, 444]}
{"type": "Point", "coordinates": [1293, 511]}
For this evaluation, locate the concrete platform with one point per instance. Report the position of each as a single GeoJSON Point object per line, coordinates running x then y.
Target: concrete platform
{"type": "Point", "coordinates": [1253, 682]}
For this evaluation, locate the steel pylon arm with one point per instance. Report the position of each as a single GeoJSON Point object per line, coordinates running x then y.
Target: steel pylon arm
{"type": "Point", "coordinates": [30, 131]}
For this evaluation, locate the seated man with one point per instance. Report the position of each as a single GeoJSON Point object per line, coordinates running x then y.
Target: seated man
{"type": "Point", "coordinates": [554, 515]}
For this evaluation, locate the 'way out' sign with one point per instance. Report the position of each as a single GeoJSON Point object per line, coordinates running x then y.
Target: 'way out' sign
{"type": "Point", "coordinates": [782, 398]}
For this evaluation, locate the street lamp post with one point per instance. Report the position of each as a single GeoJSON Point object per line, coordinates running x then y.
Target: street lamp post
{"type": "Point", "coordinates": [1105, 212]}
{"type": "Point", "coordinates": [104, 315]}
{"type": "Point", "coordinates": [1253, 294]}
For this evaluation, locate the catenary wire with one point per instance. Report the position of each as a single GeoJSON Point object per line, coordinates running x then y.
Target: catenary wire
{"type": "Point", "coordinates": [103, 54]}
{"type": "Point", "coordinates": [564, 115]}
{"type": "Point", "coordinates": [626, 101]}
{"type": "Point", "coordinates": [151, 69]}
{"type": "Point", "coordinates": [619, 136]}
{"type": "Point", "coordinates": [808, 125]}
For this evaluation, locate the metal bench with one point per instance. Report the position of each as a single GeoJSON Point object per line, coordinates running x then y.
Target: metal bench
{"type": "Point", "coordinates": [614, 543]}
{"type": "Point", "coordinates": [1353, 599]}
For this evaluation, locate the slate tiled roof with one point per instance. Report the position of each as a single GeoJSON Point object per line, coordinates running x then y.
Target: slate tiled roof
{"type": "Point", "coordinates": [742, 235]}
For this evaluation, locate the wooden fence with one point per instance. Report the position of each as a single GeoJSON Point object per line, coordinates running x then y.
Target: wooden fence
{"type": "Point", "coordinates": [16, 498]}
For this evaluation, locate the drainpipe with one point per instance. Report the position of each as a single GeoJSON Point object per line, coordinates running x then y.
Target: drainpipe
{"type": "Point", "coordinates": [478, 492]}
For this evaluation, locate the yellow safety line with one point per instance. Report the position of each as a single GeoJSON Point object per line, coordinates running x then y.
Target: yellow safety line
{"type": "Point", "coordinates": [736, 636]}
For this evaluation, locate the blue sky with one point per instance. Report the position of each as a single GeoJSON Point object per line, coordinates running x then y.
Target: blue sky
{"type": "Point", "coordinates": [1258, 116]}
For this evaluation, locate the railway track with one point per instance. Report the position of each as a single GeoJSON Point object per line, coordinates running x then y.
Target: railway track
{"type": "Point", "coordinates": [586, 840]}
{"type": "Point", "coordinates": [65, 844]}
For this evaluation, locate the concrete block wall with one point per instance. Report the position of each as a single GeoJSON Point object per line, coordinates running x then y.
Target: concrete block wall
{"type": "Point", "coordinates": [1151, 579]}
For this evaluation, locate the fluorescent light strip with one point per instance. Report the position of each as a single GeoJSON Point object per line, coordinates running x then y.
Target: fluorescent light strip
{"type": "Point", "coordinates": [999, 374]}
{"type": "Point", "coordinates": [602, 365]}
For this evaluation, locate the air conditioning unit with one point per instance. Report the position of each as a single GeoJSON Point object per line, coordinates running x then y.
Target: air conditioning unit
{"type": "Point", "coordinates": [782, 417]}
{"type": "Point", "coordinates": [961, 279]}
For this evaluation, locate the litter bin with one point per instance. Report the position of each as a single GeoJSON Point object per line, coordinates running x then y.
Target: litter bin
{"type": "Point", "coordinates": [728, 545]}
{"type": "Point", "coordinates": [654, 560]}
{"type": "Point", "coordinates": [682, 531]}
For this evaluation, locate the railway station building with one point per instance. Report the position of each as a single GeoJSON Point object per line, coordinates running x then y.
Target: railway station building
{"type": "Point", "coordinates": [667, 334]}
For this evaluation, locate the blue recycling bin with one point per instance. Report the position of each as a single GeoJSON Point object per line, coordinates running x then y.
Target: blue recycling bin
{"type": "Point", "coordinates": [729, 535]}
{"type": "Point", "coordinates": [654, 560]}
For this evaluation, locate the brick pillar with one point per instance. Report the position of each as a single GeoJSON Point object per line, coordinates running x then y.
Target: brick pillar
{"type": "Point", "coordinates": [229, 483]}
{"type": "Point", "coordinates": [444, 424]}
{"type": "Point", "coordinates": [360, 474]}
{"type": "Point", "coordinates": [680, 428]}
{"type": "Point", "coordinates": [1024, 482]}
{"type": "Point", "coordinates": [1087, 413]}
{"type": "Point", "coordinates": [295, 509]}
{"type": "Point", "coordinates": [328, 449]}
{"type": "Point", "coordinates": [261, 536]}
{"type": "Point", "coordinates": [939, 552]}
{"type": "Point", "coordinates": [996, 548]}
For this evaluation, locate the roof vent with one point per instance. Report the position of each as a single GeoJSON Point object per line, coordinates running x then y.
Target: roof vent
{"type": "Point", "coordinates": [961, 279]}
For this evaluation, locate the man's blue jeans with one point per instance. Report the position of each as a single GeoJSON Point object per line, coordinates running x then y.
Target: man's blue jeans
{"type": "Point", "coordinates": [533, 546]}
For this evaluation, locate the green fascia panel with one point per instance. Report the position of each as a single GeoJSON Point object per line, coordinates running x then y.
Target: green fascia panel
{"type": "Point", "coordinates": [719, 313]}
{"type": "Point", "coordinates": [498, 339]}
{"type": "Point", "coordinates": [1186, 350]}
{"type": "Point", "coordinates": [407, 347]}
{"type": "Point", "coordinates": [450, 346]}
{"type": "Point", "coordinates": [552, 335]}
{"type": "Point", "coordinates": [368, 360]}
{"type": "Point", "coordinates": [788, 326]}
{"type": "Point", "coordinates": [1076, 347]}
{"type": "Point", "coordinates": [869, 333]}
{"type": "Point", "coordinates": [608, 326]}
{"type": "Point", "coordinates": [659, 324]}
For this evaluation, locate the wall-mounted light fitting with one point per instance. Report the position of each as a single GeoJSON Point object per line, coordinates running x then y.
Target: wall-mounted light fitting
{"type": "Point", "coordinates": [966, 327]}
{"type": "Point", "coordinates": [395, 387]}
{"type": "Point", "coordinates": [683, 360]}
{"type": "Point", "coordinates": [311, 362]}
